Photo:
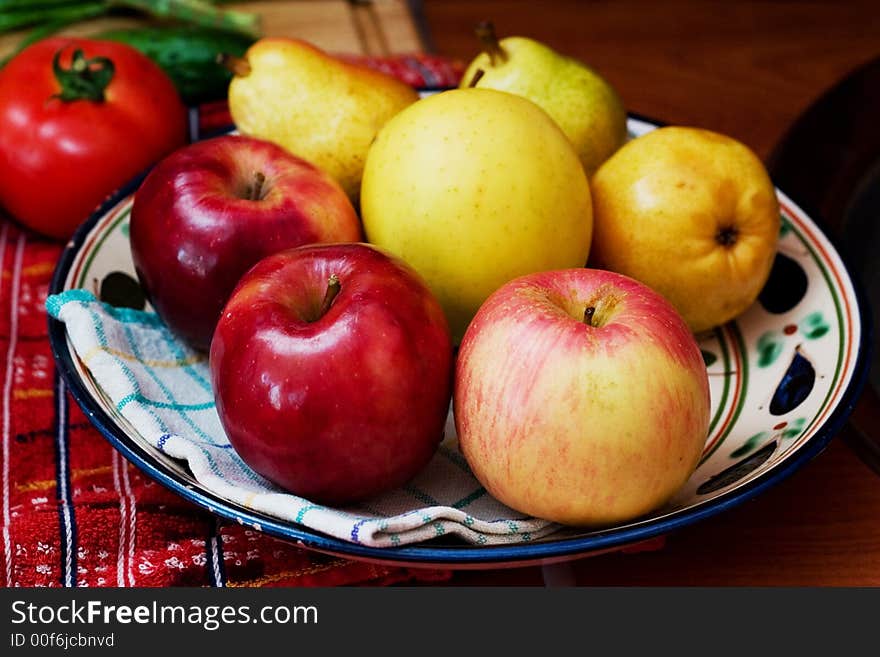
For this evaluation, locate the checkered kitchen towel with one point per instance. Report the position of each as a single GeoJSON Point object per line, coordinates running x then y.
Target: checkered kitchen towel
{"type": "Point", "coordinates": [163, 389]}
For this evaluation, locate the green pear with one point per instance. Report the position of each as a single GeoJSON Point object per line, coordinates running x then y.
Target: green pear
{"type": "Point", "coordinates": [474, 187]}
{"type": "Point", "coordinates": [584, 104]}
{"type": "Point", "coordinates": [316, 106]}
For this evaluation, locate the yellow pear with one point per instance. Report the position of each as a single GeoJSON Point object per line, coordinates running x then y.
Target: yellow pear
{"type": "Point", "coordinates": [584, 104]}
{"type": "Point", "coordinates": [316, 106]}
{"type": "Point", "coordinates": [474, 187]}
{"type": "Point", "coordinates": [691, 213]}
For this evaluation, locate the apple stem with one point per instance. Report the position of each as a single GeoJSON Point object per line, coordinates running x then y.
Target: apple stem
{"type": "Point", "coordinates": [333, 287]}
{"type": "Point", "coordinates": [485, 31]}
{"type": "Point", "coordinates": [479, 73]}
{"type": "Point", "coordinates": [589, 311]}
{"type": "Point", "coordinates": [239, 66]}
{"type": "Point", "coordinates": [255, 192]}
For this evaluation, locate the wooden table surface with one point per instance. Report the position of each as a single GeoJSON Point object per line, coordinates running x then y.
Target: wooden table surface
{"type": "Point", "coordinates": [747, 69]}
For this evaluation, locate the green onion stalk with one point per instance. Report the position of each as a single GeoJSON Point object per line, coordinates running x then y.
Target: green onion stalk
{"type": "Point", "coordinates": [46, 17]}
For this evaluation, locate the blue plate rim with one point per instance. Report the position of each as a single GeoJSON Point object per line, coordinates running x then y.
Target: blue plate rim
{"type": "Point", "coordinates": [427, 555]}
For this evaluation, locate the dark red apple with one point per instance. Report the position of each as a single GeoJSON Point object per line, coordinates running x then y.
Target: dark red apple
{"type": "Point", "coordinates": [332, 371]}
{"type": "Point", "coordinates": [209, 211]}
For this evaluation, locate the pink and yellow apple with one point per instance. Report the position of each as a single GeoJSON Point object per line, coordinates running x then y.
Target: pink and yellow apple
{"type": "Point", "coordinates": [211, 210]}
{"type": "Point", "coordinates": [332, 371]}
{"type": "Point", "coordinates": [580, 397]}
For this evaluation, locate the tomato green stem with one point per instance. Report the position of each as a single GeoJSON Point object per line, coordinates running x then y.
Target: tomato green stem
{"type": "Point", "coordinates": [85, 79]}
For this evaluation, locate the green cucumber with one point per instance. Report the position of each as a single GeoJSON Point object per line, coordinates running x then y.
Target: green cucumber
{"type": "Point", "coordinates": [188, 55]}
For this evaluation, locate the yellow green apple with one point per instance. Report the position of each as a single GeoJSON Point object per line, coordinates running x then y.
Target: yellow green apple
{"type": "Point", "coordinates": [580, 397]}
{"type": "Point", "coordinates": [692, 213]}
{"type": "Point", "coordinates": [474, 187]}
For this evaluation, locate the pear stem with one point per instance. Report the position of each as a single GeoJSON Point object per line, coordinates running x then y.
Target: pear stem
{"type": "Point", "coordinates": [239, 66]}
{"type": "Point", "coordinates": [479, 73]}
{"type": "Point", "coordinates": [589, 311]}
{"type": "Point", "coordinates": [485, 32]}
{"type": "Point", "coordinates": [333, 287]}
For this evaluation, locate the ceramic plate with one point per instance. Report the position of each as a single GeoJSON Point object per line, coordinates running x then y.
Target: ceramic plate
{"type": "Point", "coordinates": [784, 377]}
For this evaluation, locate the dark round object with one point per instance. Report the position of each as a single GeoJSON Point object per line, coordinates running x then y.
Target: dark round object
{"type": "Point", "coordinates": [829, 161]}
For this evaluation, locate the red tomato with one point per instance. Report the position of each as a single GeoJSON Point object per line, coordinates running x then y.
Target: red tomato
{"type": "Point", "coordinates": [65, 147]}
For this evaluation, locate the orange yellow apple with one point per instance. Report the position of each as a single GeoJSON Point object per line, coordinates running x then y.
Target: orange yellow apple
{"type": "Point", "coordinates": [692, 213]}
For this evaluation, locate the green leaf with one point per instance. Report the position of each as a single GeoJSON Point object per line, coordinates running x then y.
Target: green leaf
{"type": "Point", "coordinates": [85, 79]}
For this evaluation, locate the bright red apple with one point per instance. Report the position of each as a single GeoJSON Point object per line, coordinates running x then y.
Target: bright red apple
{"type": "Point", "coordinates": [581, 397]}
{"type": "Point", "coordinates": [332, 371]}
{"type": "Point", "coordinates": [209, 211]}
